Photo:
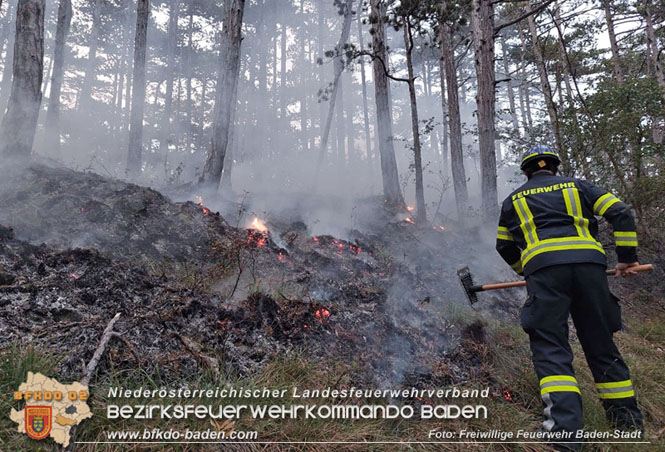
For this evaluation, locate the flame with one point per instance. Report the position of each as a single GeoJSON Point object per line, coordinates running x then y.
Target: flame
{"type": "Point", "coordinates": [410, 208]}
{"type": "Point", "coordinates": [258, 225]}
{"type": "Point", "coordinates": [409, 220]}
{"type": "Point", "coordinates": [199, 201]}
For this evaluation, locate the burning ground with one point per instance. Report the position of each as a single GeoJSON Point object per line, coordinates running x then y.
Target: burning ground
{"type": "Point", "coordinates": [193, 290]}
{"type": "Point", "coordinates": [198, 296]}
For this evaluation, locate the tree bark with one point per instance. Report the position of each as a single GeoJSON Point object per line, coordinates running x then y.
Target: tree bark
{"type": "Point", "coordinates": [454, 119]}
{"type": "Point", "coordinates": [482, 28]}
{"type": "Point", "coordinates": [17, 130]}
{"type": "Point", "coordinates": [391, 189]}
{"type": "Point", "coordinates": [616, 59]}
{"type": "Point", "coordinates": [138, 88]}
{"type": "Point", "coordinates": [421, 213]}
{"type": "Point", "coordinates": [545, 83]}
{"type": "Point", "coordinates": [225, 100]}
{"type": "Point", "coordinates": [52, 135]}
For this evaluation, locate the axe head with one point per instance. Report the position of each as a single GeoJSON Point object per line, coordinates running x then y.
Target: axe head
{"type": "Point", "coordinates": [466, 279]}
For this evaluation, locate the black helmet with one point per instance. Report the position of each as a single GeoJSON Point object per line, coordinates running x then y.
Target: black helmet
{"type": "Point", "coordinates": [539, 151]}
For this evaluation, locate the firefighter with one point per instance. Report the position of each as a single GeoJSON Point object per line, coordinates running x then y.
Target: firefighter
{"type": "Point", "coordinates": [548, 233]}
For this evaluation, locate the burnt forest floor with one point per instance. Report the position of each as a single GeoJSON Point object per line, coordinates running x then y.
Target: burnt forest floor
{"type": "Point", "coordinates": [207, 303]}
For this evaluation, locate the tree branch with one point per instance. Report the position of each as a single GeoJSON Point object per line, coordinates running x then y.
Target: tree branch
{"type": "Point", "coordinates": [535, 10]}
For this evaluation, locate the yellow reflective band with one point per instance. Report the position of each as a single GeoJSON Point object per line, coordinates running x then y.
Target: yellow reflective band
{"type": "Point", "coordinates": [504, 237]}
{"type": "Point", "coordinates": [557, 378]}
{"type": "Point", "coordinates": [560, 244]}
{"type": "Point", "coordinates": [614, 384]}
{"type": "Point", "coordinates": [604, 202]}
{"type": "Point", "coordinates": [616, 395]}
{"type": "Point", "coordinates": [625, 242]}
{"type": "Point", "coordinates": [625, 234]}
{"type": "Point", "coordinates": [574, 208]}
{"type": "Point", "coordinates": [559, 389]}
{"type": "Point", "coordinates": [538, 153]}
{"type": "Point", "coordinates": [526, 221]}
{"type": "Point", "coordinates": [516, 265]}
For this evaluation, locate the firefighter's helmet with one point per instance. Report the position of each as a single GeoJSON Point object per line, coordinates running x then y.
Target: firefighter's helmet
{"type": "Point", "coordinates": [539, 152]}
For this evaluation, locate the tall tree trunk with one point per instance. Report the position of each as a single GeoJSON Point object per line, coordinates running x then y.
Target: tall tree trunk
{"type": "Point", "coordinates": [282, 72]}
{"type": "Point", "coordinates": [421, 213]}
{"type": "Point", "coordinates": [350, 134]}
{"type": "Point", "coordinates": [444, 104]}
{"type": "Point", "coordinates": [652, 44]}
{"type": "Point", "coordinates": [363, 78]}
{"type": "Point", "coordinates": [545, 83]}
{"type": "Point", "coordinates": [138, 88]}
{"type": "Point", "coordinates": [616, 59]}
{"type": "Point", "coordinates": [454, 119]}
{"type": "Point", "coordinates": [338, 67]}
{"type": "Point", "coordinates": [91, 66]}
{"type": "Point", "coordinates": [482, 28]}
{"type": "Point", "coordinates": [190, 50]}
{"type": "Point", "coordinates": [509, 85]}
{"type": "Point", "coordinates": [341, 130]}
{"type": "Point", "coordinates": [6, 83]}
{"type": "Point", "coordinates": [524, 85]}
{"type": "Point", "coordinates": [52, 135]}
{"type": "Point", "coordinates": [391, 189]}
{"type": "Point", "coordinates": [226, 103]}
{"type": "Point", "coordinates": [17, 130]}
{"type": "Point", "coordinates": [170, 71]}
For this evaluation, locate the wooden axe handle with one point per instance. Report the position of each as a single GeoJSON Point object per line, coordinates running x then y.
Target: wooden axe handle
{"type": "Point", "coordinates": [506, 285]}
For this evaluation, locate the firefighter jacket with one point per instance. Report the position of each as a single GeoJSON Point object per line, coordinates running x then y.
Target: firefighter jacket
{"type": "Point", "coordinates": [550, 220]}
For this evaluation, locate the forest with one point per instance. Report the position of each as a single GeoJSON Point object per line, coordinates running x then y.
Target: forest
{"type": "Point", "coordinates": [279, 192]}
{"type": "Point", "coordinates": [424, 100]}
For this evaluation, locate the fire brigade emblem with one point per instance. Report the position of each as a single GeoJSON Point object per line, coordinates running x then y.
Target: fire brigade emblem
{"type": "Point", "coordinates": [38, 421]}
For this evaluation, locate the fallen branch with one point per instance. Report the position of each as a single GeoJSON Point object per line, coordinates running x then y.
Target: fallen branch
{"type": "Point", "coordinates": [90, 368]}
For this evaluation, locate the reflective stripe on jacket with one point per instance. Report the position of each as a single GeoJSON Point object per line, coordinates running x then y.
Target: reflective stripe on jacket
{"type": "Point", "coordinates": [550, 220]}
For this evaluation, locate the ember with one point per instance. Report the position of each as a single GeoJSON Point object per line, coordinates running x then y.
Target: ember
{"type": "Point", "coordinates": [507, 395]}
{"type": "Point", "coordinates": [409, 220]}
{"type": "Point", "coordinates": [321, 315]}
{"type": "Point", "coordinates": [74, 276]}
{"type": "Point", "coordinates": [257, 238]}
{"type": "Point", "coordinates": [410, 208]}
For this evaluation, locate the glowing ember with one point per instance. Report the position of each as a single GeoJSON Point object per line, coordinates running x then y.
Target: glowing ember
{"type": "Point", "coordinates": [74, 276]}
{"type": "Point", "coordinates": [321, 315]}
{"type": "Point", "coordinates": [257, 238]}
{"type": "Point", "coordinates": [410, 208]}
{"type": "Point", "coordinates": [258, 225]}
{"type": "Point", "coordinates": [507, 395]}
{"type": "Point", "coordinates": [204, 209]}
{"type": "Point", "coordinates": [409, 220]}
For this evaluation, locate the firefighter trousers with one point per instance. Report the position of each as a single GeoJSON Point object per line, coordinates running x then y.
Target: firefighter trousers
{"type": "Point", "coordinates": [580, 290]}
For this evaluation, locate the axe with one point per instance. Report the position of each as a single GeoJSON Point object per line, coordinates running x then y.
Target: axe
{"type": "Point", "coordinates": [472, 290]}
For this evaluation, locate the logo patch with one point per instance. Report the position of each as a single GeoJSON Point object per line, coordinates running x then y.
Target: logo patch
{"type": "Point", "coordinates": [38, 421]}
